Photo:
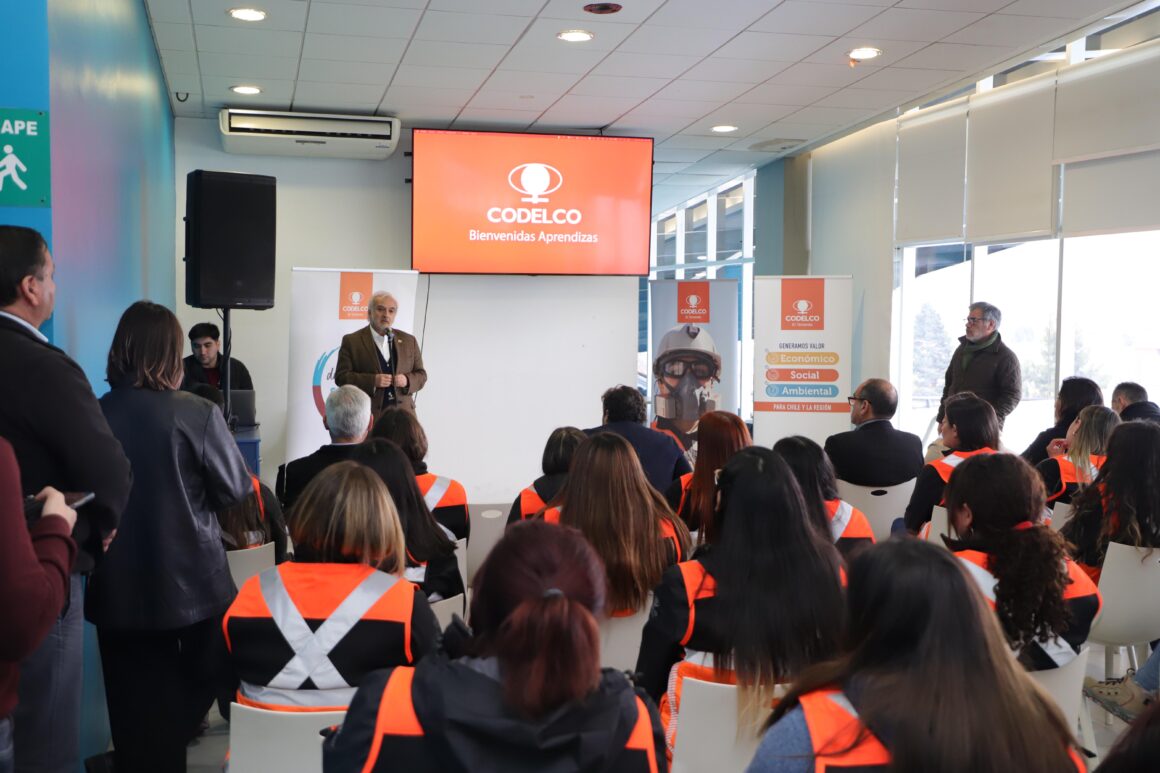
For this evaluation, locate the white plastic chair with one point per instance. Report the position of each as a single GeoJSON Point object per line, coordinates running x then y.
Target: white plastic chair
{"type": "Point", "coordinates": [707, 738]}
{"type": "Point", "coordinates": [461, 559]}
{"type": "Point", "coordinates": [286, 741]}
{"type": "Point", "coordinates": [1060, 515]}
{"type": "Point", "coordinates": [620, 639]}
{"type": "Point", "coordinates": [881, 504]}
{"type": "Point", "coordinates": [487, 525]}
{"type": "Point", "coordinates": [1065, 685]}
{"type": "Point", "coordinates": [1130, 587]}
{"type": "Point", "coordinates": [445, 609]}
{"type": "Point", "coordinates": [247, 562]}
{"type": "Point", "coordinates": [939, 526]}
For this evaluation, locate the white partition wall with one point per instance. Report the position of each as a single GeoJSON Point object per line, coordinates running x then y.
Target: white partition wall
{"type": "Point", "coordinates": [509, 359]}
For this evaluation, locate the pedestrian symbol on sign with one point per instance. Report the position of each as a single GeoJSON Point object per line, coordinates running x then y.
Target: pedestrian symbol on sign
{"type": "Point", "coordinates": [11, 166]}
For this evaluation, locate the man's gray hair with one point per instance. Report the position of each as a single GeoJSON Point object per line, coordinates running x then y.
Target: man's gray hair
{"type": "Point", "coordinates": [348, 413]}
{"type": "Point", "coordinates": [380, 294]}
{"type": "Point", "coordinates": [988, 312]}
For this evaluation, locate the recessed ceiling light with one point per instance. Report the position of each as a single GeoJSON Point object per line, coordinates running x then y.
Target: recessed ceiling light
{"type": "Point", "coordinates": [247, 90]}
{"type": "Point", "coordinates": [724, 128]}
{"type": "Point", "coordinates": [862, 53]}
{"type": "Point", "coordinates": [575, 36]}
{"type": "Point", "coordinates": [248, 14]}
{"type": "Point", "coordinates": [603, 8]}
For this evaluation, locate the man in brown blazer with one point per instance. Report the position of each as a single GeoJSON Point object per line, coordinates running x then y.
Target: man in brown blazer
{"type": "Point", "coordinates": [381, 361]}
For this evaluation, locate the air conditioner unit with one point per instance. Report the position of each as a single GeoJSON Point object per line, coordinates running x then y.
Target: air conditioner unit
{"type": "Point", "coordinates": [315, 135]}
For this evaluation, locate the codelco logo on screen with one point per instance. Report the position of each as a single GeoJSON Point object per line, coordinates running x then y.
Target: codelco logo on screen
{"type": "Point", "coordinates": [535, 181]}
{"type": "Point", "coordinates": [693, 302]}
{"type": "Point", "coordinates": [803, 304]}
{"type": "Point", "coordinates": [354, 293]}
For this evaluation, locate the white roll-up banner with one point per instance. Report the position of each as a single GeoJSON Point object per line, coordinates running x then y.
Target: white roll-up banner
{"type": "Point", "coordinates": [696, 365]}
{"type": "Point", "coordinates": [325, 305]}
{"type": "Point", "coordinates": [802, 333]}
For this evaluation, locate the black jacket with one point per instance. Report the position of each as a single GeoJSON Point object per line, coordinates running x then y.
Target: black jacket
{"type": "Point", "coordinates": [1037, 451]}
{"type": "Point", "coordinates": [464, 725]}
{"type": "Point", "coordinates": [293, 476]}
{"type": "Point", "coordinates": [167, 568]}
{"type": "Point", "coordinates": [195, 374]}
{"type": "Point", "coordinates": [993, 374]}
{"type": "Point", "coordinates": [660, 456]}
{"type": "Point", "coordinates": [875, 454]}
{"type": "Point", "coordinates": [49, 414]}
{"type": "Point", "coordinates": [1144, 409]}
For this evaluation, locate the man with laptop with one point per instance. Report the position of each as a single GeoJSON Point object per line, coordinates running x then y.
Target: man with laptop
{"type": "Point", "coordinates": [203, 366]}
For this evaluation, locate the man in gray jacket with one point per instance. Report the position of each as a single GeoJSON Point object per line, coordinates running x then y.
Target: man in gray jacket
{"type": "Point", "coordinates": [983, 364]}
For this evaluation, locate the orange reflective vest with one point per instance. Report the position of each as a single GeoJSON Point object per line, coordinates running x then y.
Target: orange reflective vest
{"type": "Point", "coordinates": [686, 484]}
{"type": "Point", "coordinates": [1069, 479]}
{"type": "Point", "coordinates": [447, 501]}
{"type": "Point", "coordinates": [849, 527]}
{"type": "Point", "coordinates": [668, 531]}
{"type": "Point", "coordinates": [284, 629]}
{"type": "Point", "coordinates": [530, 503]}
{"type": "Point", "coordinates": [945, 466]}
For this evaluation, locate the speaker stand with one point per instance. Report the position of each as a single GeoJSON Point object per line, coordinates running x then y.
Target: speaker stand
{"type": "Point", "coordinates": [224, 358]}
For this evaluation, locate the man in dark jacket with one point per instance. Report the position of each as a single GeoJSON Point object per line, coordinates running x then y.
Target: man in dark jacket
{"type": "Point", "coordinates": [204, 366]}
{"type": "Point", "coordinates": [874, 453]}
{"type": "Point", "coordinates": [660, 456]}
{"type": "Point", "coordinates": [1130, 400]}
{"type": "Point", "coordinates": [348, 420]}
{"type": "Point", "coordinates": [49, 414]}
{"type": "Point", "coordinates": [983, 364]}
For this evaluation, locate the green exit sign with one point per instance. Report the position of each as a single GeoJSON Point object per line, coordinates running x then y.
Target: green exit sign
{"type": "Point", "coordinates": [25, 170]}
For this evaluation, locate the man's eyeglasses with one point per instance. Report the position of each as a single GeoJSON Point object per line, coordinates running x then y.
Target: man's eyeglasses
{"type": "Point", "coordinates": [854, 399]}
{"type": "Point", "coordinates": [975, 320]}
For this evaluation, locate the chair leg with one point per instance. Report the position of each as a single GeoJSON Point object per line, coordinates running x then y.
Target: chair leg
{"type": "Point", "coordinates": [1087, 734]}
{"type": "Point", "coordinates": [1132, 662]}
{"type": "Point", "coordinates": [1111, 670]}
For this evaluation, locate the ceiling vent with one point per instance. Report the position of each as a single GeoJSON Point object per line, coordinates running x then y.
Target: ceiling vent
{"type": "Point", "coordinates": [312, 135]}
{"type": "Point", "coordinates": [779, 145]}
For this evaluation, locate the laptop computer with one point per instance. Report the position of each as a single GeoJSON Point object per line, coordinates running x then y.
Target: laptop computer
{"type": "Point", "coordinates": [242, 405]}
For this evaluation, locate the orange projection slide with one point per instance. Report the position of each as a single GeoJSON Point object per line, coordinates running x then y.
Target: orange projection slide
{"type": "Point", "coordinates": [499, 203]}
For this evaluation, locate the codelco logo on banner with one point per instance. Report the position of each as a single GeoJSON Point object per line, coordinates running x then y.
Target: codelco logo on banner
{"type": "Point", "coordinates": [693, 302]}
{"type": "Point", "coordinates": [803, 303]}
{"type": "Point", "coordinates": [354, 293]}
{"type": "Point", "coordinates": [535, 181]}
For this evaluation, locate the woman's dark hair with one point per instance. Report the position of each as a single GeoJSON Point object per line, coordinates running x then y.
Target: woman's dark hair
{"type": "Point", "coordinates": [146, 349]}
{"type": "Point", "coordinates": [1139, 748]}
{"type": "Point", "coordinates": [815, 476]}
{"type": "Point", "coordinates": [1128, 488]}
{"type": "Point", "coordinates": [608, 498]}
{"type": "Point", "coordinates": [719, 435]}
{"type": "Point", "coordinates": [401, 427]}
{"type": "Point", "coordinates": [1075, 394]}
{"type": "Point", "coordinates": [558, 451]}
{"type": "Point", "coordinates": [1003, 491]}
{"type": "Point", "coordinates": [767, 552]}
{"type": "Point", "coordinates": [425, 539]}
{"type": "Point", "coordinates": [534, 606]}
{"type": "Point", "coordinates": [975, 421]}
{"type": "Point", "coordinates": [930, 674]}
{"type": "Point", "coordinates": [243, 520]}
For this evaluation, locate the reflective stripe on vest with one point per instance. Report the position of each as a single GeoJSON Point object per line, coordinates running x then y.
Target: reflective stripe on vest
{"type": "Point", "coordinates": [686, 484]}
{"type": "Point", "coordinates": [258, 493]}
{"type": "Point", "coordinates": [438, 488]}
{"type": "Point", "coordinates": [312, 649]}
{"type": "Point", "coordinates": [834, 730]}
{"type": "Point", "coordinates": [552, 515]}
{"type": "Point", "coordinates": [699, 584]}
{"type": "Point", "coordinates": [945, 466]}
{"type": "Point", "coordinates": [1069, 474]}
{"type": "Point", "coordinates": [839, 518]}
{"type": "Point", "coordinates": [695, 665]}
{"type": "Point", "coordinates": [641, 738]}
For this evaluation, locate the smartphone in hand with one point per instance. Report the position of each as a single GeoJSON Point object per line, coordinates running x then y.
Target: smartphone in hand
{"type": "Point", "coordinates": [74, 499]}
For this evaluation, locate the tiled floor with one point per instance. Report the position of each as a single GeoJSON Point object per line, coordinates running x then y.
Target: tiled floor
{"type": "Point", "coordinates": [208, 753]}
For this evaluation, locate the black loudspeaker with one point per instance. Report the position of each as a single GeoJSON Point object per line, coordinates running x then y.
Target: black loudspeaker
{"type": "Point", "coordinates": [229, 240]}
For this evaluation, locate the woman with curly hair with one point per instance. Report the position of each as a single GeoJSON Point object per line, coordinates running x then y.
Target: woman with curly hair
{"type": "Point", "coordinates": [1044, 600]}
{"type": "Point", "coordinates": [1123, 504]}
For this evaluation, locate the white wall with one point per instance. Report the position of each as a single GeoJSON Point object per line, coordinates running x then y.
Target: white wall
{"type": "Point", "coordinates": [509, 358]}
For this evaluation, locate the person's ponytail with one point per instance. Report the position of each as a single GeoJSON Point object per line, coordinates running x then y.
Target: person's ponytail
{"type": "Point", "coordinates": [549, 653]}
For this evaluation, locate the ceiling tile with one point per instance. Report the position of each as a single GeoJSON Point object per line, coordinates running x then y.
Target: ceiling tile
{"type": "Point", "coordinates": [573, 119]}
{"type": "Point", "coordinates": [471, 27]}
{"type": "Point", "coordinates": [186, 83]}
{"type": "Point", "coordinates": [738, 157]}
{"type": "Point", "coordinates": [398, 95]}
{"type": "Point", "coordinates": [417, 4]}
{"type": "Point", "coordinates": [513, 100]}
{"type": "Point", "coordinates": [536, 57]}
{"type": "Point", "coordinates": [676, 108]}
{"type": "Point", "coordinates": [814, 18]}
{"type": "Point", "coordinates": [529, 82]}
{"type": "Point", "coordinates": [515, 120]}
{"type": "Point", "coordinates": [715, 68]}
{"type": "Point", "coordinates": [646, 65]}
{"type": "Point", "coordinates": [609, 35]}
{"type": "Point", "coordinates": [696, 142]}
{"type": "Point", "coordinates": [505, 7]}
{"type": "Point", "coordinates": [717, 91]}
{"type": "Point", "coordinates": [250, 67]}
{"type": "Point", "coordinates": [722, 16]}
{"type": "Point", "coordinates": [772, 45]}
{"type": "Point", "coordinates": [632, 13]}
{"type": "Point", "coordinates": [667, 167]}
{"type": "Point", "coordinates": [326, 71]}
{"type": "Point", "coordinates": [650, 125]}
{"type": "Point", "coordinates": [784, 94]}
{"type": "Point", "coordinates": [902, 78]}
{"type": "Point", "coordinates": [787, 129]}
{"type": "Point", "coordinates": [179, 62]}
{"type": "Point", "coordinates": [439, 77]}
{"type": "Point", "coordinates": [878, 3]}
{"type": "Point", "coordinates": [618, 86]}
{"type": "Point", "coordinates": [216, 90]}
{"type": "Point", "coordinates": [176, 11]}
{"type": "Point", "coordinates": [747, 118]}
{"type": "Point", "coordinates": [980, 6]}
{"type": "Point", "coordinates": [337, 97]}
{"type": "Point", "coordinates": [956, 56]}
{"type": "Point", "coordinates": [914, 24]}
{"type": "Point", "coordinates": [1068, 9]}
{"type": "Point", "coordinates": [1002, 29]}
{"type": "Point", "coordinates": [351, 48]}
{"type": "Point", "coordinates": [838, 52]}
{"type": "Point", "coordinates": [173, 37]}
{"type": "Point", "coordinates": [368, 21]}
{"type": "Point", "coordinates": [606, 107]}
{"type": "Point", "coordinates": [873, 99]}
{"type": "Point", "coordinates": [256, 42]}
{"type": "Point", "coordinates": [435, 53]}
{"type": "Point", "coordinates": [655, 39]}
{"type": "Point", "coordinates": [812, 74]}
{"type": "Point", "coordinates": [422, 115]}
{"type": "Point", "coordinates": [282, 14]}
{"type": "Point", "coordinates": [663, 152]}
{"type": "Point", "coordinates": [830, 116]}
